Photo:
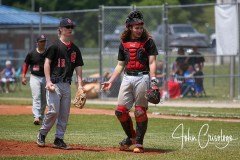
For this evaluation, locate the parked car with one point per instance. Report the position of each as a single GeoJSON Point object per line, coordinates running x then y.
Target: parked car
{"type": "Point", "coordinates": [178, 32]}
{"type": "Point", "coordinates": [113, 40]}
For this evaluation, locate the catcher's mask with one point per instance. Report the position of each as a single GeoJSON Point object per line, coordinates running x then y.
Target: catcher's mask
{"type": "Point", "coordinates": [133, 18]}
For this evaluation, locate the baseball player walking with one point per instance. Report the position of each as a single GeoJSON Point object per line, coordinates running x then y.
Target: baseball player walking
{"type": "Point", "coordinates": [35, 59]}
{"type": "Point", "coordinates": [137, 57]}
{"type": "Point", "coordinates": [61, 59]}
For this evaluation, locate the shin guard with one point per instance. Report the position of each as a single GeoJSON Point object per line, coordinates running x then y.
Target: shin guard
{"type": "Point", "coordinates": [141, 123]}
{"type": "Point", "coordinates": [123, 116]}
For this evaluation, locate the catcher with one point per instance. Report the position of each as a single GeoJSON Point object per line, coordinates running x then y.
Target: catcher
{"type": "Point", "coordinates": [137, 57]}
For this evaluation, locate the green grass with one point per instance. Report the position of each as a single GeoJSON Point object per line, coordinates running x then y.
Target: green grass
{"type": "Point", "coordinates": [184, 111]}
{"type": "Point", "coordinates": [197, 112]}
{"type": "Point", "coordinates": [102, 130]}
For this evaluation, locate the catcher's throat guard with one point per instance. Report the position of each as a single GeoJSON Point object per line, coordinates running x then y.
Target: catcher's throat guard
{"type": "Point", "coordinates": [80, 99]}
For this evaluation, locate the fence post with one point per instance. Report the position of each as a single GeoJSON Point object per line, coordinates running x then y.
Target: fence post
{"type": "Point", "coordinates": [40, 20]}
{"type": "Point", "coordinates": [238, 23]}
{"type": "Point", "coordinates": [165, 40]}
{"type": "Point", "coordinates": [100, 42]}
{"type": "Point", "coordinates": [32, 36]}
{"type": "Point", "coordinates": [214, 69]}
{"type": "Point", "coordinates": [134, 7]}
{"type": "Point", "coordinates": [232, 77]}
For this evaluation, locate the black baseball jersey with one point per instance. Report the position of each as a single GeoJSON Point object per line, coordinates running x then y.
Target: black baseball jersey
{"type": "Point", "coordinates": [63, 61]}
{"type": "Point", "coordinates": [149, 46]}
{"type": "Point", "coordinates": [36, 62]}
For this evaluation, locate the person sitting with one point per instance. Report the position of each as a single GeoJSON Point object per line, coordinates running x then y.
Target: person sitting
{"type": "Point", "coordinates": [188, 85]}
{"type": "Point", "coordinates": [91, 84]}
{"type": "Point", "coordinates": [174, 87]}
{"type": "Point", "coordinates": [162, 83]}
{"type": "Point", "coordinates": [199, 81]}
{"type": "Point", "coordinates": [196, 58]}
{"type": "Point", "coordinates": [8, 76]}
{"type": "Point", "coordinates": [181, 60]}
{"type": "Point", "coordinates": [160, 73]}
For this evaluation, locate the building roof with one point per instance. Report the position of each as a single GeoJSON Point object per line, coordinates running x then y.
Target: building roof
{"type": "Point", "coordinates": [15, 16]}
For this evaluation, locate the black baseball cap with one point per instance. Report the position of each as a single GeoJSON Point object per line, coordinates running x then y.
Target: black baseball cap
{"type": "Point", "coordinates": [66, 22]}
{"type": "Point", "coordinates": [41, 38]}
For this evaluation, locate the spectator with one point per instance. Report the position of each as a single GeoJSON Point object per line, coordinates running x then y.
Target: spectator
{"type": "Point", "coordinates": [181, 60]}
{"type": "Point", "coordinates": [8, 76]}
{"type": "Point", "coordinates": [198, 81]}
{"type": "Point", "coordinates": [160, 73]}
{"type": "Point", "coordinates": [174, 88]}
{"type": "Point", "coordinates": [161, 80]}
{"type": "Point", "coordinates": [189, 82]}
{"type": "Point", "coordinates": [196, 58]}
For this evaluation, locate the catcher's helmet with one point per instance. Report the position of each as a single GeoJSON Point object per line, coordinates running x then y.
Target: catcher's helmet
{"type": "Point", "coordinates": [134, 17]}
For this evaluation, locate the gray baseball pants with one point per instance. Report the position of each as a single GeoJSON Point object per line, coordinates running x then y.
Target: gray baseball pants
{"type": "Point", "coordinates": [133, 90]}
{"type": "Point", "coordinates": [37, 85]}
{"type": "Point", "coordinates": [59, 102]}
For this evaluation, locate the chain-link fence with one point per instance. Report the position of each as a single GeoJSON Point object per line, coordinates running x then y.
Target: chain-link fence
{"type": "Point", "coordinates": [98, 31]}
{"type": "Point", "coordinates": [221, 73]}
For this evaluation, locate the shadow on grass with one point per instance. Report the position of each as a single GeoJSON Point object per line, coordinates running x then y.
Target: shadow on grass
{"type": "Point", "coordinates": [115, 149]}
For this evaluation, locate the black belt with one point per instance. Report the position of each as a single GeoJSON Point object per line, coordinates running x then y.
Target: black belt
{"type": "Point", "coordinates": [61, 80]}
{"type": "Point", "coordinates": [136, 73]}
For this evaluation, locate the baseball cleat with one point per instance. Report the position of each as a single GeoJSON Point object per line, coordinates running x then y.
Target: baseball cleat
{"type": "Point", "coordinates": [41, 140]}
{"type": "Point", "coordinates": [60, 144]}
{"type": "Point", "coordinates": [126, 144]}
{"type": "Point", "coordinates": [138, 148]}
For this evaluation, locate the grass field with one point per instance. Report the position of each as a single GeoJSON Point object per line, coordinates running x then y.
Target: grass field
{"type": "Point", "coordinates": [105, 131]}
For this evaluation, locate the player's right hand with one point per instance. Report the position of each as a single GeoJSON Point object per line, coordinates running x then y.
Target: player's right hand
{"type": "Point", "coordinates": [50, 86]}
{"type": "Point", "coordinates": [106, 86]}
{"type": "Point", "coordinates": [24, 80]}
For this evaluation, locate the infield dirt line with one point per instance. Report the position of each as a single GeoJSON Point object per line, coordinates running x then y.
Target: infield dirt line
{"type": "Point", "coordinates": [19, 110]}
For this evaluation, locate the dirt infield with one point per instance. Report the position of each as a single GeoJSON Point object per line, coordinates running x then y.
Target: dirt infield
{"type": "Point", "coordinates": [16, 148]}
{"type": "Point", "coordinates": [19, 110]}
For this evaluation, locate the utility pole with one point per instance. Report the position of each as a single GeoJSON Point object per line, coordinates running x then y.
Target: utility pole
{"type": "Point", "coordinates": [33, 5]}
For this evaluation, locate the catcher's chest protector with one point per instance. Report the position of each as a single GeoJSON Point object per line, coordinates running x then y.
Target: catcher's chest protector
{"type": "Point", "coordinates": [136, 56]}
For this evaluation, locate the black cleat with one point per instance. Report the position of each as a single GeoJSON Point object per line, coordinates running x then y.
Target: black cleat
{"type": "Point", "coordinates": [126, 144]}
{"type": "Point", "coordinates": [41, 140]}
{"type": "Point", "coordinates": [60, 144]}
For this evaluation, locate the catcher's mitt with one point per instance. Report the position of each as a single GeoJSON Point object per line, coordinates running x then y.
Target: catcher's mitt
{"type": "Point", "coordinates": [80, 98]}
{"type": "Point", "coordinates": [153, 96]}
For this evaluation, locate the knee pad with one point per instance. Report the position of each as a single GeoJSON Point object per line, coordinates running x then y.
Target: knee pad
{"type": "Point", "coordinates": [140, 114]}
{"type": "Point", "coordinates": [122, 113]}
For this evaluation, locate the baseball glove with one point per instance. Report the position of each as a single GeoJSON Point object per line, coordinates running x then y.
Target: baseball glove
{"type": "Point", "coordinates": [153, 94]}
{"type": "Point", "coordinates": [80, 98]}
